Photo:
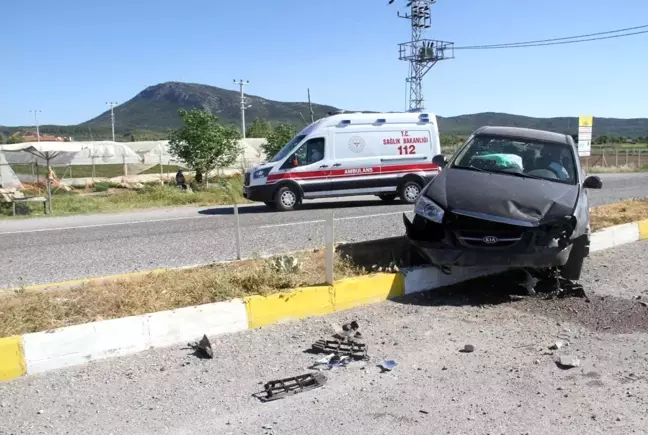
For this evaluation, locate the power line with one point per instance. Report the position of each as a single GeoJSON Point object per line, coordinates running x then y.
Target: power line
{"type": "Point", "coordinates": [559, 41]}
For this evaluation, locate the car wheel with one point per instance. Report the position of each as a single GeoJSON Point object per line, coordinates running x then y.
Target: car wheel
{"type": "Point", "coordinates": [409, 192]}
{"type": "Point", "coordinates": [387, 197]}
{"type": "Point", "coordinates": [286, 199]}
{"type": "Point", "coordinates": [572, 269]}
{"type": "Point", "coordinates": [271, 205]}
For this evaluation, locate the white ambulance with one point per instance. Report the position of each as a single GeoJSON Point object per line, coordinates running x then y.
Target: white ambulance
{"type": "Point", "coordinates": [384, 154]}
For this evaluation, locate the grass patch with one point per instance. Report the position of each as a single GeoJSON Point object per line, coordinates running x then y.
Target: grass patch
{"type": "Point", "coordinates": [104, 198]}
{"type": "Point", "coordinates": [32, 311]}
{"type": "Point", "coordinates": [619, 213]}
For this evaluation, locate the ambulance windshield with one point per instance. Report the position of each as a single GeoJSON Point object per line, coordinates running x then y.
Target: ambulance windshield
{"type": "Point", "coordinates": [287, 148]}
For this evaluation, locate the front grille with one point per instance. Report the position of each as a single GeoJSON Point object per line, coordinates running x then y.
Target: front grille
{"type": "Point", "coordinates": [246, 179]}
{"type": "Point", "coordinates": [482, 233]}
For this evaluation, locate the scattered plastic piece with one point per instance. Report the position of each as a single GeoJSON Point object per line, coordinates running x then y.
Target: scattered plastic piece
{"type": "Point", "coordinates": [388, 365]}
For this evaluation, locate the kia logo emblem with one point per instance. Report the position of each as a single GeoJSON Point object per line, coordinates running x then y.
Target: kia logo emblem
{"type": "Point", "coordinates": [490, 240]}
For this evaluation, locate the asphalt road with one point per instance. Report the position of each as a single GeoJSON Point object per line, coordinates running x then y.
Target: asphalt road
{"type": "Point", "coordinates": [509, 385]}
{"type": "Point", "coordinates": [40, 251]}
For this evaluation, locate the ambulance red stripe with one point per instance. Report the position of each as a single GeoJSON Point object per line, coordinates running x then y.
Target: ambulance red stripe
{"type": "Point", "coordinates": [344, 173]}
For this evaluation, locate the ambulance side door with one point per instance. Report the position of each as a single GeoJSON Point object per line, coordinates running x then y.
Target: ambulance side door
{"type": "Point", "coordinates": [310, 166]}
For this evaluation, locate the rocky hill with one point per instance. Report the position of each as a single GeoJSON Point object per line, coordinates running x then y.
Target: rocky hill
{"type": "Point", "coordinates": [152, 112]}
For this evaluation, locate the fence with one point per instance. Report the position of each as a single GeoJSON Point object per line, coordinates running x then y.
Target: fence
{"type": "Point", "coordinates": [385, 240]}
{"type": "Point", "coordinates": [612, 157]}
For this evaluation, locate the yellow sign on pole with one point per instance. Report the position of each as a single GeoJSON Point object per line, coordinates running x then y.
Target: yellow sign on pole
{"type": "Point", "coordinates": [585, 121]}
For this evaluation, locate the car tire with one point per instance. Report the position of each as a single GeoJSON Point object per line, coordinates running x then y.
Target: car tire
{"type": "Point", "coordinates": [572, 269]}
{"type": "Point", "coordinates": [271, 205]}
{"type": "Point", "coordinates": [286, 199]}
{"type": "Point", "coordinates": [387, 197]}
{"type": "Point", "coordinates": [409, 191]}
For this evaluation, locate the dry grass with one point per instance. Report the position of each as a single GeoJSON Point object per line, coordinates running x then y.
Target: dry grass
{"type": "Point", "coordinates": [31, 311]}
{"type": "Point", "coordinates": [619, 213]}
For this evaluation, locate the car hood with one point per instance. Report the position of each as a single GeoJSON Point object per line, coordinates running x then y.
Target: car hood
{"type": "Point", "coordinates": [523, 199]}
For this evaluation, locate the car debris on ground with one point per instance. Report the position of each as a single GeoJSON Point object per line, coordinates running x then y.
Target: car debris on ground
{"type": "Point", "coordinates": [388, 365]}
{"type": "Point", "coordinates": [278, 389]}
{"type": "Point", "coordinates": [568, 362]}
{"type": "Point", "coordinates": [202, 348]}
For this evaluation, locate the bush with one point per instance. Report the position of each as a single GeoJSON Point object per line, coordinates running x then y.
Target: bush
{"type": "Point", "coordinates": [101, 186]}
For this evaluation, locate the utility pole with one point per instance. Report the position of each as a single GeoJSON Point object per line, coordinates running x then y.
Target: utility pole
{"type": "Point", "coordinates": [112, 105]}
{"type": "Point", "coordinates": [422, 54]}
{"type": "Point", "coordinates": [36, 112]}
{"type": "Point", "coordinates": [310, 107]}
{"type": "Point", "coordinates": [242, 83]}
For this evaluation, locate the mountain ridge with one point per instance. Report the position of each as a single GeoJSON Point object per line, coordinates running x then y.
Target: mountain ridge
{"type": "Point", "coordinates": [154, 110]}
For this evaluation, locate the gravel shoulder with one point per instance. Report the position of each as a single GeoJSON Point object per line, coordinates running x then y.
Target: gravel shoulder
{"type": "Point", "coordinates": [510, 384]}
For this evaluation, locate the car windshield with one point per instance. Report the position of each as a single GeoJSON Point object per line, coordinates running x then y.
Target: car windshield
{"type": "Point", "coordinates": [287, 148]}
{"type": "Point", "coordinates": [518, 157]}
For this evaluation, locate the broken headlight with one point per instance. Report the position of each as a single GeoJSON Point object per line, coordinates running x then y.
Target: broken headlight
{"type": "Point", "coordinates": [426, 208]}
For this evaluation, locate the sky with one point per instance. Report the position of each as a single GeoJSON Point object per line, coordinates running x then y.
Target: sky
{"type": "Point", "coordinates": [68, 57]}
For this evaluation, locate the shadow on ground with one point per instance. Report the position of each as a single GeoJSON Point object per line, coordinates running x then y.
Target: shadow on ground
{"type": "Point", "coordinates": [307, 206]}
{"type": "Point", "coordinates": [598, 313]}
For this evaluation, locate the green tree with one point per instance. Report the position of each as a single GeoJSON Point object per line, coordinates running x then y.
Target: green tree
{"type": "Point", "coordinates": [3, 138]}
{"type": "Point", "coordinates": [280, 136]}
{"type": "Point", "coordinates": [601, 140]}
{"type": "Point", "coordinates": [15, 139]}
{"type": "Point", "coordinates": [260, 128]}
{"type": "Point", "coordinates": [204, 144]}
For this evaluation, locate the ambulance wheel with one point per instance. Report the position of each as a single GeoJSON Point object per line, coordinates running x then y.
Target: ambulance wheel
{"type": "Point", "coordinates": [388, 197]}
{"type": "Point", "coordinates": [286, 199]}
{"type": "Point", "coordinates": [409, 192]}
{"type": "Point", "coordinates": [271, 205]}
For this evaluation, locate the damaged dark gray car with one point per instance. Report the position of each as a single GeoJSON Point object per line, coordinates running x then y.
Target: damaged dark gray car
{"type": "Point", "coordinates": [510, 197]}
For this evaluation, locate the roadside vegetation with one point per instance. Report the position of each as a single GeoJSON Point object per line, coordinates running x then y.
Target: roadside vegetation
{"type": "Point", "coordinates": [31, 311]}
{"type": "Point", "coordinates": [619, 213]}
{"type": "Point", "coordinates": [104, 197]}
{"type": "Point", "coordinates": [24, 311]}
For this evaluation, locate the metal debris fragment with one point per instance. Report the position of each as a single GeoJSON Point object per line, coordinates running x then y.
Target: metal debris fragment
{"type": "Point", "coordinates": [278, 389]}
{"type": "Point", "coordinates": [349, 348]}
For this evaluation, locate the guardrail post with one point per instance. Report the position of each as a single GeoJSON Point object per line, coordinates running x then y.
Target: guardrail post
{"type": "Point", "coordinates": [330, 248]}
{"type": "Point", "coordinates": [237, 223]}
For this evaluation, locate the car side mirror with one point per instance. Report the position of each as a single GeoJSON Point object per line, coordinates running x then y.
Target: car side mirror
{"type": "Point", "coordinates": [439, 160]}
{"type": "Point", "coordinates": [593, 182]}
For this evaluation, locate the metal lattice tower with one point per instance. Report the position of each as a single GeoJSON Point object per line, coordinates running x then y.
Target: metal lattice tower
{"type": "Point", "coordinates": [422, 54]}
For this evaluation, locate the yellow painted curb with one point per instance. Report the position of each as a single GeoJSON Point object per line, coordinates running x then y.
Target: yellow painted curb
{"type": "Point", "coordinates": [643, 229]}
{"type": "Point", "coordinates": [12, 358]}
{"type": "Point", "coordinates": [354, 292]}
{"type": "Point", "coordinates": [283, 307]}
{"type": "Point", "coordinates": [318, 301]}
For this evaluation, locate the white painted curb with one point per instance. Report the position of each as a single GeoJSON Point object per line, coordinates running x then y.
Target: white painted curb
{"type": "Point", "coordinates": [79, 344]}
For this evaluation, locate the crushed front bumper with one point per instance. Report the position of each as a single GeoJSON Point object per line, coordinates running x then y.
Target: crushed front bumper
{"type": "Point", "coordinates": [446, 255]}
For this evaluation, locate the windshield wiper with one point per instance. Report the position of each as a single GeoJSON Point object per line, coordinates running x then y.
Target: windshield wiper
{"type": "Point", "coordinates": [521, 175]}
{"type": "Point", "coordinates": [471, 168]}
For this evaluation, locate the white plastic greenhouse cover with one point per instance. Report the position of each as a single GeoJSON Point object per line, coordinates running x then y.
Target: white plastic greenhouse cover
{"type": "Point", "coordinates": [8, 179]}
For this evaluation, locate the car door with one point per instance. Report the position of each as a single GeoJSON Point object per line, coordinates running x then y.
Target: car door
{"type": "Point", "coordinates": [310, 167]}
